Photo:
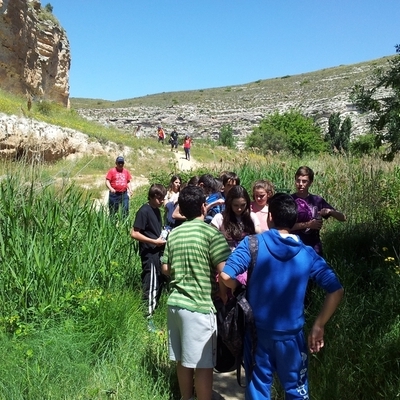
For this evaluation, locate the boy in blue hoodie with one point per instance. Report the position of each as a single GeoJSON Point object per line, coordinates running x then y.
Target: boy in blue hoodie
{"type": "Point", "coordinates": [276, 291]}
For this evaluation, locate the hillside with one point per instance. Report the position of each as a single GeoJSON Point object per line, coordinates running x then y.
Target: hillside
{"type": "Point", "coordinates": [201, 113]}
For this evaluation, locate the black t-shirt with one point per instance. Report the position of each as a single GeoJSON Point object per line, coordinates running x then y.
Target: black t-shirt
{"type": "Point", "coordinates": [174, 136]}
{"type": "Point", "coordinates": [148, 221]}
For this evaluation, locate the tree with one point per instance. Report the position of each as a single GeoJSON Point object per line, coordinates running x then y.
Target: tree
{"type": "Point", "coordinates": [338, 136]}
{"type": "Point", "coordinates": [290, 131]}
{"type": "Point", "coordinates": [226, 137]}
{"type": "Point", "coordinates": [48, 7]}
{"type": "Point", "coordinates": [384, 109]}
{"type": "Point", "coordinates": [344, 134]}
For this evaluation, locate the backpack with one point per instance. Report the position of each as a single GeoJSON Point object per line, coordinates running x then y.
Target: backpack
{"type": "Point", "coordinates": [233, 319]}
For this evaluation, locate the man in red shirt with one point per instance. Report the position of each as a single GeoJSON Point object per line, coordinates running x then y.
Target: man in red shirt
{"type": "Point", "coordinates": [118, 183]}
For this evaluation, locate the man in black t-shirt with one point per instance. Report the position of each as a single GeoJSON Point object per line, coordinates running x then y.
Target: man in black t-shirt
{"type": "Point", "coordinates": [147, 231]}
{"type": "Point", "coordinates": [174, 140]}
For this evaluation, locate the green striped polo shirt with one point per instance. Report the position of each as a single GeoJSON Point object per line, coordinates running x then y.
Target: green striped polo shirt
{"type": "Point", "coordinates": [193, 251]}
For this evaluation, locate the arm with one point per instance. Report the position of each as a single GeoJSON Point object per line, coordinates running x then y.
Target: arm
{"type": "Point", "coordinates": [312, 224]}
{"type": "Point", "coordinates": [316, 336]}
{"type": "Point", "coordinates": [214, 203]}
{"type": "Point", "coordinates": [109, 187]}
{"type": "Point", "coordinates": [228, 281]}
{"type": "Point", "coordinates": [223, 289]}
{"type": "Point", "coordinates": [137, 235]}
{"type": "Point", "coordinates": [177, 214]}
{"type": "Point", "coordinates": [166, 269]}
{"type": "Point", "coordinates": [129, 189]}
{"type": "Point", "coordinates": [327, 212]}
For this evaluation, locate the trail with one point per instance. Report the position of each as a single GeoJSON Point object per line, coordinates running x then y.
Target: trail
{"type": "Point", "coordinates": [183, 164]}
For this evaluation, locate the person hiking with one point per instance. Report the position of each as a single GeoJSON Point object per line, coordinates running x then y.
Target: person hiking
{"type": "Point", "coordinates": [118, 182]}
{"type": "Point", "coordinates": [276, 290]}
{"type": "Point", "coordinates": [173, 140]}
{"type": "Point", "coordinates": [194, 254]}
{"type": "Point", "coordinates": [311, 210]}
{"type": "Point", "coordinates": [187, 143]}
{"type": "Point", "coordinates": [161, 134]}
{"type": "Point", "coordinates": [146, 230]}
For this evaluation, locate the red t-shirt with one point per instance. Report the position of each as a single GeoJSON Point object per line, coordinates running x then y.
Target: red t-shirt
{"type": "Point", "coordinates": [119, 179]}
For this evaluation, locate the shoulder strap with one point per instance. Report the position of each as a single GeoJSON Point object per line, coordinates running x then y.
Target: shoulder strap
{"type": "Point", "coordinates": [253, 245]}
{"type": "Point", "coordinates": [249, 318]}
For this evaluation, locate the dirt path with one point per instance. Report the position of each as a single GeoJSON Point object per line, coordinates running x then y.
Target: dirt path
{"type": "Point", "coordinates": [225, 387]}
{"type": "Point", "coordinates": [183, 164]}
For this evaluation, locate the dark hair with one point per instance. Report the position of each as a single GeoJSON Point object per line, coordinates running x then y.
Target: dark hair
{"type": "Point", "coordinates": [172, 180]}
{"type": "Point", "coordinates": [193, 181]}
{"type": "Point", "coordinates": [156, 190]}
{"type": "Point", "coordinates": [230, 176]}
{"type": "Point", "coordinates": [207, 182]}
{"type": "Point", "coordinates": [283, 210]}
{"type": "Point", "coordinates": [234, 229]}
{"type": "Point", "coordinates": [305, 171]}
{"type": "Point", "coordinates": [191, 199]}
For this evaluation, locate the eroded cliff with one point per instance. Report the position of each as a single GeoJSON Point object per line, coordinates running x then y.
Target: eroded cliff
{"type": "Point", "coordinates": [35, 53]}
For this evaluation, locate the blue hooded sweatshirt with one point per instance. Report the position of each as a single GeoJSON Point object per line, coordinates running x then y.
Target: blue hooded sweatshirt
{"type": "Point", "coordinates": [278, 282]}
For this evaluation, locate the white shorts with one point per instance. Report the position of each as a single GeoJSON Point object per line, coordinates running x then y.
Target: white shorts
{"type": "Point", "coordinates": [192, 337]}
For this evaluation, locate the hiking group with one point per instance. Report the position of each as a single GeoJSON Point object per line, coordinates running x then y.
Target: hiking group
{"type": "Point", "coordinates": [174, 141]}
{"type": "Point", "coordinates": [203, 254]}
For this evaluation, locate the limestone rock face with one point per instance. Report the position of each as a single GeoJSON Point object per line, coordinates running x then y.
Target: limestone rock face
{"type": "Point", "coordinates": [35, 54]}
{"type": "Point", "coordinates": [34, 141]}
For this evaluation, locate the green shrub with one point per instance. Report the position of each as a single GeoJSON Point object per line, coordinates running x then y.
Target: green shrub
{"type": "Point", "coordinates": [364, 145]}
{"type": "Point", "coordinates": [290, 131]}
{"type": "Point", "coordinates": [226, 137]}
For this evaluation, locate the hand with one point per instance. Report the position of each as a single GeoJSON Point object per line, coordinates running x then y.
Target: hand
{"type": "Point", "coordinates": [325, 212]}
{"type": "Point", "coordinates": [316, 224]}
{"type": "Point", "coordinates": [160, 241]}
{"type": "Point", "coordinates": [316, 339]}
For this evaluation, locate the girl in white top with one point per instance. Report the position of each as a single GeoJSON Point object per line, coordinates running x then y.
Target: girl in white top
{"type": "Point", "coordinates": [262, 190]}
{"type": "Point", "coordinates": [236, 221]}
{"type": "Point", "coordinates": [171, 199]}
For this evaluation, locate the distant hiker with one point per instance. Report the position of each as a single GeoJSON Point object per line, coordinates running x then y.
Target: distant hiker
{"type": "Point", "coordinates": [161, 134]}
{"type": "Point", "coordinates": [118, 183]}
{"type": "Point", "coordinates": [173, 140]}
{"type": "Point", "coordinates": [187, 143]}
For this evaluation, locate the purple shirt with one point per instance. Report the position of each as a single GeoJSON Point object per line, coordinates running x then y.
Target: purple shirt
{"type": "Point", "coordinates": [310, 237]}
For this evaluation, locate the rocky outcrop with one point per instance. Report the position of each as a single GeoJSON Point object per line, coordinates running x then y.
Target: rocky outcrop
{"type": "Point", "coordinates": [34, 52]}
{"type": "Point", "coordinates": [34, 141]}
{"type": "Point", "coordinates": [202, 113]}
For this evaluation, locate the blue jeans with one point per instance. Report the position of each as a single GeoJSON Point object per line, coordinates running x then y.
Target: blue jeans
{"type": "Point", "coordinates": [117, 200]}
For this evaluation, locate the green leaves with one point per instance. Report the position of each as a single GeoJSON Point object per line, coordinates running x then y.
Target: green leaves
{"type": "Point", "coordinates": [291, 131]}
{"type": "Point", "coordinates": [384, 107]}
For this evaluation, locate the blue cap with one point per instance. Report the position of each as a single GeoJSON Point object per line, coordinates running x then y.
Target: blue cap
{"type": "Point", "coordinates": [120, 159]}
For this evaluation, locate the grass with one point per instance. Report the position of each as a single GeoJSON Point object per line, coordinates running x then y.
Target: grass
{"type": "Point", "coordinates": [71, 321]}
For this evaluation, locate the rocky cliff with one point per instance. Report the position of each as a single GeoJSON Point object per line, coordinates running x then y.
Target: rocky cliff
{"type": "Point", "coordinates": [34, 52]}
{"type": "Point", "coordinates": [202, 113]}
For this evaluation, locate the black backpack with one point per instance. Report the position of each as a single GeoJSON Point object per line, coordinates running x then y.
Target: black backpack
{"type": "Point", "coordinates": [233, 318]}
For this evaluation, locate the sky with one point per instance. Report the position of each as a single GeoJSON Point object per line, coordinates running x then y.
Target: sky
{"type": "Point", "coordinates": [123, 49]}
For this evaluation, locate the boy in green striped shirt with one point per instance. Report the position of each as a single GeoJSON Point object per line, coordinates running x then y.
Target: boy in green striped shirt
{"type": "Point", "coordinates": [195, 252]}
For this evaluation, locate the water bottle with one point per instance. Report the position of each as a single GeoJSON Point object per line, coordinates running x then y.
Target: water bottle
{"type": "Point", "coordinates": [165, 233]}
